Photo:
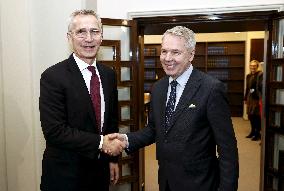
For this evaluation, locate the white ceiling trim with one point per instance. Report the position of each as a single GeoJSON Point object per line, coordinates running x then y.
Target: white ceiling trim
{"type": "Point", "coordinates": [218, 10]}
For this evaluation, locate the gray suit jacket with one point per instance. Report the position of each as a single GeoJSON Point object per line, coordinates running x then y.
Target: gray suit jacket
{"type": "Point", "coordinates": [186, 153]}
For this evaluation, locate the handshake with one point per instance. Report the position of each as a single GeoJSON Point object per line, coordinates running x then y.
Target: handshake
{"type": "Point", "coordinates": [114, 144]}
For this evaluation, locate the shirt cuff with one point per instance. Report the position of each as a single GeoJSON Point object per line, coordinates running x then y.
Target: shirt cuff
{"type": "Point", "coordinates": [101, 142]}
{"type": "Point", "coordinates": [126, 139]}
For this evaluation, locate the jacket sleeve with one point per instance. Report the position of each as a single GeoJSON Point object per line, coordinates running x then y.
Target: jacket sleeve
{"type": "Point", "coordinates": [113, 111]}
{"type": "Point", "coordinates": [247, 88]}
{"type": "Point", "coordinates": [218, 113]}
{"type": "Point", "coordinates": [143, 137]}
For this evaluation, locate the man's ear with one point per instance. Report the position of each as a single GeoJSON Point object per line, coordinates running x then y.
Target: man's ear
{"type": "Point", "coordinates": [192, 55]}
{"type": "Point", "coordinates": [68, 36]}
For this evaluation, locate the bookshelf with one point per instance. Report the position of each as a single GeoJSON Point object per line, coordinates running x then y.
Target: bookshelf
{"type": "Point", "coordinates": [222, 60]}
{"type": "Point", "coordinates": [274, 132]}
{"type": "Point", "coordinates": [152, 66]}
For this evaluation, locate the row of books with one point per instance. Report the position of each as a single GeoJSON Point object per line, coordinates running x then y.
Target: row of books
{"type": "Point", "coordinates": [220, 74]}
{"type": "Point", "coordinates": [218, 62]}
{"type": "Point", "coordinates": [150, 75]}
{"type": "Point", "coordinates": [149, 62]}
{"type": "Point", "coordinates": [150, 51]}
{"type": "Point", "coordinates": [217, 50]}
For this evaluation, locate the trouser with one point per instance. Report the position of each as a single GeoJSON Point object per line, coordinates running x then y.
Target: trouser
{"type": "Point", "coordinates": [255, 122]}
{"type": "Point", "coordinates": [168, 187]}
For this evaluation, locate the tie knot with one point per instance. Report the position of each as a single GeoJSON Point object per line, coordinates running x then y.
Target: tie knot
{"type": "Point", "coordinates": [92, 69]}
{"type": "Point", "coordinates": [174, 83]}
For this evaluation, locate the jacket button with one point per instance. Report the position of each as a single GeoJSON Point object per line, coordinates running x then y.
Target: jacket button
{"type": "Point", "coordinates": [166, 141]}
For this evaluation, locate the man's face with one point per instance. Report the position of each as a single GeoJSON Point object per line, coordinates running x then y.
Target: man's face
{"type": "Point", "coordinates": [85, 37]}
{"type": "Point", "coordinates": [253, 67]}
{"type": "Point", "coordinates": [175, 57]}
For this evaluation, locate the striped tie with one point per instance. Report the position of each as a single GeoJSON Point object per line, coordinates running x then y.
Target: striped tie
{"type": "Point", "coordinates": [171, 103]}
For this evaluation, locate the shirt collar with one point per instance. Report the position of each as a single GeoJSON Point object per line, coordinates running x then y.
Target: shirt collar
{"type": "Point", "coordinates": [81, 64]}
{"type": "Point", "coordinates": [183, 78]}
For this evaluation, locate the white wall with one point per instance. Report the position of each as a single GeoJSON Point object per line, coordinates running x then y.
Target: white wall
{"type": "Point", "coordinates": [48, 46]}
{"type": "Point", "coordinates": [32, 37]}
{"type": "Point", "coordinates": [17, 86]}
{"type": "Point", "coordinates": [3, 177]}
{"type": "Point", "coordinates": [120, 9]}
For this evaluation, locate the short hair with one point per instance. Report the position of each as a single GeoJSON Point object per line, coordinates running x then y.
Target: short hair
{"type": "Point", "coordinates": [83, 12]}
{"type": "Point", "coordinates": [184, 32]}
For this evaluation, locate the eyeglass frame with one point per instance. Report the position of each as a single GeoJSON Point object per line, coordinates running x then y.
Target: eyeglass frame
{"type": "Point", "coordinates": [83, 33]}
{"type": "Point", "coordinates": [173, 53]}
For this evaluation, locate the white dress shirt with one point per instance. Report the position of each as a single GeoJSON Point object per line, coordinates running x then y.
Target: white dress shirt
{"type": "Point", "coordinates": [181, 80]}
{"type": "Point", "coordinates": [87, 75]}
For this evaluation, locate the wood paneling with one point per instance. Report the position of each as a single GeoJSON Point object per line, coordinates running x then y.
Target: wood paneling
{"type": "Point", "coordinates": [227, 22]}
{"type": "Point", "coordinates": [257, 49]}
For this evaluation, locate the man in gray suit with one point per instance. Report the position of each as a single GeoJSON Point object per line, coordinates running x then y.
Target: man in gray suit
{"type": "Point", "coordinates": [189, 117]}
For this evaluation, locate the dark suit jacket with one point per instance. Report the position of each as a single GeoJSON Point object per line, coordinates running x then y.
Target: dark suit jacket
{"type": "Point", "coordinates": [71, 159]}
{"type": "Point", "coordinates": [186, 153]}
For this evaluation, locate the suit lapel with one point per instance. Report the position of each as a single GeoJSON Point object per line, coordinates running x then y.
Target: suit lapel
{"type": "Point", "coordinates": [163, 99]}
{"type": "Point", "coordinates": [106, 91]}
{"type": "Point", "coordinates": [80, 86]}
{"type": "Point", "coordinates": [189, 91]}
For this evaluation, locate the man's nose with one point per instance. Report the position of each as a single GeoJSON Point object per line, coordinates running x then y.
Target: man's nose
{"type": "Point", "coordinates": [168, 56]}
{"type": "Point", "coordinates": [89, 36]}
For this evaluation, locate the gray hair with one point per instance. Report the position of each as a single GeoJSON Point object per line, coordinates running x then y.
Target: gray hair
{"type": "Point", "coordinates": [184, 32]}
{"type": "Point", "coordinates": [83, 12]}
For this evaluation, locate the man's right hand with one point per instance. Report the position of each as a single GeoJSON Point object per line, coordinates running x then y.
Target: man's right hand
{"type": "Point", "coordinates": [113, 144]}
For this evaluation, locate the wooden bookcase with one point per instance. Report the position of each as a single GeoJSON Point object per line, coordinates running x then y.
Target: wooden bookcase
{"type": "Point", "coordinates": [152, 66]}
{"type": "Point", "coordinates": [223, 60]}
{"type": "Point", "coordinates": [274, 134]}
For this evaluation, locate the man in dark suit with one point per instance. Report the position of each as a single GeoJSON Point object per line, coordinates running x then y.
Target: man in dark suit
{"type": "Point", "coordinates": [78, 108]}
{"type": "Point", "coordinates": [189, 117]}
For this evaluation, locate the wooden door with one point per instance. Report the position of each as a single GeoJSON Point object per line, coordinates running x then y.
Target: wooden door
{"type": "Point", "coordinates": [272, 172]}
{"type": "Point", "coordinates": [256, 49]}
{"type": "Point", "coordinates": [118, 50]}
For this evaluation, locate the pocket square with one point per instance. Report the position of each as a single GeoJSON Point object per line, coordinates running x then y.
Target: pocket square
{"type": "Point", "coordinates": [191, 106]}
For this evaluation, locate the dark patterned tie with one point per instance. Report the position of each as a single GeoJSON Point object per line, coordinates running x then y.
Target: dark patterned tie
{"type": "Point", "coordinates": [95, 95]}
{"type": "Point", "coordinates": [171, 103]}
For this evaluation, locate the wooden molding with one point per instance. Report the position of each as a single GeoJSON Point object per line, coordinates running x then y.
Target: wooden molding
{"type": "Point", "coordinates": [218, 10]}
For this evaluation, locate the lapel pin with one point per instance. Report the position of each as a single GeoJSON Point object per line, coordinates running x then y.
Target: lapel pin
{"type": "Point", "coordinates": [191, 106]}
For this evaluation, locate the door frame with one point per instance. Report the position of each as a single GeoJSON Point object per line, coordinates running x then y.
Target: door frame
{"type": "Point", "coordinates": [133, 161]}
{"type": "Point", "coordinates": [209, 11]}
{"type": "Point", "coordinates": [158, 22]}
{"type": "Point", "coordinates": [270, 104]}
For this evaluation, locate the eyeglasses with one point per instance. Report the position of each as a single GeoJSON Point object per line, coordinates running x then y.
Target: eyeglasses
{"type": "Point", "coordinates": [83, 33]}
{"type": "Point", "coordinates": [173, 53]}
